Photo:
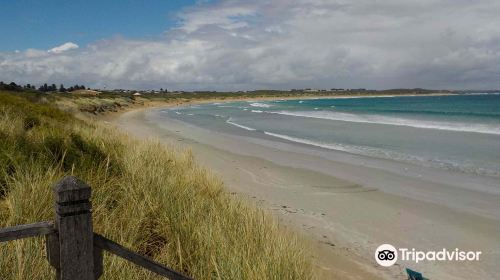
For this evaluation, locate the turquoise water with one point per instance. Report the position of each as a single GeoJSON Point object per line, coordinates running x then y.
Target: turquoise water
{"type": "Point", "coordinates": [459, 132]}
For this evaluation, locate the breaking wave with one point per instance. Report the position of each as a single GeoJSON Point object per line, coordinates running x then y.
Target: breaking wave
{"type": "Point", "coordinates": [229, 121]}
{"type": "Point", "coordinates": [386, 154]}
{"type": "Point", "coordinates": [377, 119]}
{"type": "Point", "coordinates": [260, 105]}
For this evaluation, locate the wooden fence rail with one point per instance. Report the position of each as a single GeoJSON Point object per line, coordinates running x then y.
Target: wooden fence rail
{"type": "Point", "coordinates": [73, 249]}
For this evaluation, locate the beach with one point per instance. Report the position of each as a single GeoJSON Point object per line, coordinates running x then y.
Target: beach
{"type": "Point", "coordinates": [344, 204]}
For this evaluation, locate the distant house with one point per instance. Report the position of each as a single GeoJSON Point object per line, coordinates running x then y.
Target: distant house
{"type": "Point", "coordinates": [137, 94]}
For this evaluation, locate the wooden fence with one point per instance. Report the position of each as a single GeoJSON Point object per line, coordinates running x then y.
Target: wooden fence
{"type": "Point", "coordinates": [73, 249]}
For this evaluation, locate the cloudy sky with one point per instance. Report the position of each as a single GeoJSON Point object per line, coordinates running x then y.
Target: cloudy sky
{"type": "Point", "coordinates": [252, 44]}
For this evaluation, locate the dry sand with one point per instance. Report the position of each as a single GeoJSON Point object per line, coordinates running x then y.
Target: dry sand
{"type": "Point", "coordinates": [346, 209]}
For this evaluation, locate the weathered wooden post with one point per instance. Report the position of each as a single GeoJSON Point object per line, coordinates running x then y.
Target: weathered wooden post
{"type": "Point", "coordinates": [71, 249]}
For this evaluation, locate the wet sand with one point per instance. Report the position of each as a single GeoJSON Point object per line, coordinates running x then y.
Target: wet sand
{"type": "Point", "coordinates": [346, 206]}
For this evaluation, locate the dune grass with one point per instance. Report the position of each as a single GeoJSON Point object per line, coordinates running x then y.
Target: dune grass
{"type": "Point", "coordinates": [146, 196]}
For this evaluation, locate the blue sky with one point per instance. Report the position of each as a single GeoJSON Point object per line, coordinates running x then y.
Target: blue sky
{"type": "Point", "coordinates": [45, 24]}
{"type": "Point", "coordinates": [252, 44]}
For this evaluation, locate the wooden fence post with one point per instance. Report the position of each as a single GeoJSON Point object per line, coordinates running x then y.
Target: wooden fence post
{"type": "Point", "coordinates": [74, 229]}
{"type": "Point", "coordinates": [73, 249]}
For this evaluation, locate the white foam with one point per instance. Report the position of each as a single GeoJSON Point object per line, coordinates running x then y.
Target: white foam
{"type": "Point", "coordinates": [333, 146]}
{"type": "Point", "coordinates": [308, 142]}
{"type": "Point", "coordinates": [261, 105]}
{"type": "Point", "coordinates": [239, 125]}
{"type": "Point", "coordinates": [257, 111]}
{"type": "Point", "coordinates": [377, 119]}
{"type": "Point", "coordinates": [359, 150]}
{"type": "Point", "coordinates": [392, 155]}
{"type": "Point", "coordinates": [483, 93]}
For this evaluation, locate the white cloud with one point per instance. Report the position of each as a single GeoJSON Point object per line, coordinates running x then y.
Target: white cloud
{"type": "Point", "coordinates": [64, 47]}
{"type": "Point", "coordinates": [286, 44]}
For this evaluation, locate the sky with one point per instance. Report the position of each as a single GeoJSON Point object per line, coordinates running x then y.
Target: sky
{"type": "Point", "coordinates": [252, 44]}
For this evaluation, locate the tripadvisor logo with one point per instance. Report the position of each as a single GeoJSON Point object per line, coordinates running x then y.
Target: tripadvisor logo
{"type": "Point", "coordinates": [387, 255]}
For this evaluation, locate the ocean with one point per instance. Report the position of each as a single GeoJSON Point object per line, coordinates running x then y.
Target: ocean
{"type": "Point", "coordinates": [453, 132]}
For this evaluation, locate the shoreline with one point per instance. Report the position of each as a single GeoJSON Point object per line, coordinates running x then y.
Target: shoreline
{"type": "Point", "coordinates": [338, 264]}
{"type": "Point", "coordinates": [148, 104]}
{"type": "Point", "coordinates": [341, 256]}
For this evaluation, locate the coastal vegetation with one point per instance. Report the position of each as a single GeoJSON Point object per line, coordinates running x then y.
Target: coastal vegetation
{"type": "Point", "coordinates": [79, 99]}
{"type": "Point", "coordinates": [151, 198]}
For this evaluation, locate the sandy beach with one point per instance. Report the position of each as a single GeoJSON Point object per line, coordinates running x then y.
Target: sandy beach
{"type": "Point", "coordinates": [247, 139]}
{"type": "Point", "coordinates": [347, 205]}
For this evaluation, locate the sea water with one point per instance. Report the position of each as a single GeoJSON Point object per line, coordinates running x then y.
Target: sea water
{"type": "Point", "coordinates": [454, 132]}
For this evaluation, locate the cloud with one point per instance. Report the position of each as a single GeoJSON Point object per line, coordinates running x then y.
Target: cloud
{"type": "Point", "coordinates": [64, 47]}
{"type": "Point", "coordinates": [252, 44]}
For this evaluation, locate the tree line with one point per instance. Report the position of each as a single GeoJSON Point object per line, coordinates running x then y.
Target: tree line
{"type": "Point", "coordinates": [43, 88]}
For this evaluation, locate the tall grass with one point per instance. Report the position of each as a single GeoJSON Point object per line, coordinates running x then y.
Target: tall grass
{"type": "Point", "coordinates": [146, 196]}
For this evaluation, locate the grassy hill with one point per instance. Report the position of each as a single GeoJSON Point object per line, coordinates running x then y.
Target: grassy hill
{"type": "Point", "coordinates": [146, 196]}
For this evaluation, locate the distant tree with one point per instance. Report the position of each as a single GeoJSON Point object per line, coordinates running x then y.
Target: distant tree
{"type": "Point", "coordinates": [61, 88]}
{"type": "Point", "coordinates": [10, 86]}
{"type": "Point", "coordinates": [45, 88]}
{"type": "Point", "coordinates": [14, 86]}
